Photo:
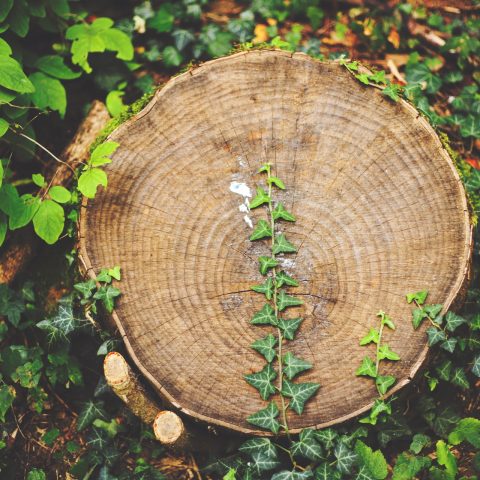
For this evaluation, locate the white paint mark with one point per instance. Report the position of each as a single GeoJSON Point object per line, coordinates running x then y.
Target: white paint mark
{"type": "Point", "coordinates": [288, 263]}
{"type": "Point", "coordinates": [244, 208]}
{"type": "Point", "coordinates": [240, 188]}
{"type": "Point", "coordinates": [248, 221]}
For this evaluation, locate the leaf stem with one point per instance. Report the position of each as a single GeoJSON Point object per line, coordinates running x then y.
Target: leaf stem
{"type": "Point", "coordinates": [380, 332]}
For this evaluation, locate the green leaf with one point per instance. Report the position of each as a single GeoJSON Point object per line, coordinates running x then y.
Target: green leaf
{"type": "Point", "coordinates": [476, 366]}
{"type": "Point", "coordinates": [230, 475]}
{"type": "Point", "coordinates": [467, 429]}
{"type": "Point", "coordinates": [435, 335]}
{"type": "Point", "coordinates": [59, 194]}
{"type": "Point", "coordinates": [470, 126]}
{"type": "Point", "coordinates": [262, 230]}
{"type": "Point", "coordinates": [384, 352]}
{"type": "Point", "coordinates": [118, 41]}
{"type": "Point", "coordinates": [3, 129]}
{"type": "Point", "coordinates": [50, 436]}
{"type": "Point", "coordinates": [13, 77]}
{"type": "Point", "coordinates": [307, 446]}
{"type": "Point", "coordinates": [294, 365]}
{"type": "Point", "coordinates": [419, 297]}
{"type": "Point", "coordinates": [100, 156]}
{"type": "Point", "coordinates": [446, 458]}
{"type": "Point", "coordinates": [345, 458]}
{"type": "Point", "coordinates": [48, 221]}
{"type": "Point", "coordinates": [284, 301]}
{"type": "Point", "coordinates": [262, 381]}
{"type": "Point", "coordinates": [90, 411]}
{"type": "Point", "coordinates": [107, 295]}
{"type": "Point", "coordinates": [115, 103]}
{"type": "Point", "coordinates": [293, 475]}
{"type": "Point", "coordinates": [379, 406]}
{"type": "Point", "coordinates": [53, 65]}
{"type": "Point", "coordinates": [386, 320]}
{"type": "Point", "coordinates": [367, 368]}
{"type": "Point", "coordinates": [49, 93]}
{"type": "Point", "coordinates": [277, 182]}
{"type": "Point", "coordinates": [299, 393]}
{"type": "Point", "coordinates": [260, 445]}
{"type": "Point", "coordinates": [279, 212]}
{"type": "Point", "coordinates": [266, 418]}
{"type": "Point", "coordinates": [282, 279]}
{"type": "Point", "coordinates": [38, 179]}
{"type": "Point", "coordinates": [384, 382]}
{"type": "Point", "coordinates": [5, 7]}
{"type": "Point", "coordinates": [163, 20]}
{"type": "Point", "coordinates": [453, 321]}
{"type": "Point", "coordinates": [418, 315]}
{"type": "Point", "coordinates": [374, 462]}
{"type": "Point", "coordinates": [260, 198]}
{"type": "Point", "coordinates": [263, 463]}
{"type": "Point", "coordinates": [393, 91]}
{"type": "Point", "coordinates": [171, 56]}
{"type": "Point", "coordinates": [289, 326]}
{"type": "Point", "coordinates": [326, 437]}
{"type": "Point", "coordinates": [433, 310]}
{"type": "Point", "coordinates": [265, 316]}
{"type": "Point", "coordinates": [7, 396]}
{"type": "Point", "coordinates": [449, 344]}
{"type": "Point", "coordinates": [266, 347]}
{"type": "Point", "coordinates": [420, 74]}
{"type": "Point", "coordinates": [266, 263]}
{"type": "Point", "coordinates": [3, 227]}
{"type": "Point", "coordinates": [90, 179]}
{"type": "Point", "coordinates": [444, 370]}
{"type": "Point", "coordinates": [419, 441]}
{"type": "Point", "coordinates": [408, 466]}
{"type": "Point", "coordinates": [266, 288]}
{"type": "Point", "coordinates": [36, 474]}
{"type": "Point", "coordinates": [282, 245]}
{"type": "Point", "coordinates": [460, 379]}
{"type": "Point", "coordinates": [372, 336]}
{"type": "Point", "coordinates": [326, 472]}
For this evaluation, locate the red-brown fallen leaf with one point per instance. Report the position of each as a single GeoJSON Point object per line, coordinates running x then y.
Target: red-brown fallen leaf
{"type": "Point", "coordinates": [394, 37]}
{"type": "Point", "coordinates": [474, 162]}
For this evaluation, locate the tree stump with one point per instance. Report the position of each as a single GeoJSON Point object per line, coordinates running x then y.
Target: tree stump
{"type": "Point", "coordinates": [380, 210]}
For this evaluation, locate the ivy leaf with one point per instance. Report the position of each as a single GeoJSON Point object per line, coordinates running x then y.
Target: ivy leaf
{"type": "Point", "coordinates": [107, 295]}
{"type": "Point", "coordinates": [299, 393]}
{"type": "Point", "coordinates": [262, 381]}
{"type": "Point", "coordinates": [266, 263]}
{"type": "Point", "coordinates": [460, 379]}
{"type": "Point", "coordinates": [293, 475]}
{"type": "Point", "coordinates": [345, 458]}
{"type": "Point", "coordinates": [282, 245]}
{"type": "Point", "coordinates": [433, 310]}
{"type": "Point", "coordinates": [7, 396]}
{"type": "Point", "coordinates": [367, 368]}
{"type": "Point", "coordinates": [90, 412]}
{"type": "Point", "coordinates": [419, 297]}
{"type": "Point", "coordinates": [409, 466]}
{"type": "Point", "coordinates": [266, 288]}
{"type": "Point", "coordinates": [277, 182]}
{"type": "Point", "coordinates": [279, 212]}
{"type": "Point", "coordinates": [419, 441]}
{"type": "Point", "coordinates": [289, 326]}
{"type": "Point", "coordinates": [262, 230]}
{"type": "Point", "coordinates": [263, 463]}
{"type": "Point", "coordinates": [171, 56]}
{"type": "Point", "coordinates": [326, 472]}
{"type": "Point", "coordinates": [48, 221]}
{"type": "Point", "coordinates": [260, 445]}
{"type": "Point", "coordinates": [470, 126]}
{"type": "Point", "coordinates": [163, 19]}
{"type": "Point", "coordinates": [444, 370]}
{"type": "Point", "coordinates": [467, 429]}
{"type": "Point", "coordinates": [371, 336]}
{"type": "Point", "coordinates": [476, 366]}
{"type": "Point", "coordinates": [266, 418]}
{"type": "Point", "coordinates": [282, 279]}
{"type": "Point", "coordinates": [266, 347]}
{"type": "Point", "coordinates": [294, 365]}
{"type": "Point", "coordinates": [326, 437]}
{"type": "Point", "coordinates": [49, 93]}
{"type": "Point", "coordinates": [384, 382]}
{"type": "Point", "coordinates": [260, 198]}
{"type": "Point", "coordinates": [384, 352]}
{"type": "Point", "coordinates": [53, 65]}
{"type": "Point", "coordinates": [265, 316]}
{"type": "Point", "coordinates": [392, 90]}
{"type": "Point", "coordinates": [435, 335]}
{"type": "Point", "coordinates": [453, 321]}
{"type": "Point", "coordinates": [419, 73]}
{"type": "Point", "coordinates": [449, 344]}
{"type": "Point", "coordinates": [85, 288]}
{"type": "Point", "coordinates": [379, 406]}
{"type": "Point", "coordinates": [90, 179]}
{"type": "Point", "coordinates": [386, 320]}
{"type": "Point", "coordinates": [100, 156]}
{"type": "Point", "coordinates": [284, 301]}
{"type": "Point", "coordinates": [418, 315]}
{"type": "Point", "coordinates": [307, 446]}
{"type": "Point", "coordinates": [13, 77]}
{"type": "Point", "coordinates": [374, 462]}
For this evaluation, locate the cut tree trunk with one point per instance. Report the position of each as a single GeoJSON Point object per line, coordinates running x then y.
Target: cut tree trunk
{"type": "Point", "coordinates": [380, 210]}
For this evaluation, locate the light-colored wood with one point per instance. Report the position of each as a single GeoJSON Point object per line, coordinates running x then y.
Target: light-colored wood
{"type": "Point", "coordinates": [169, 430]}
{"type": "Point", "coordinates": [380, 210]}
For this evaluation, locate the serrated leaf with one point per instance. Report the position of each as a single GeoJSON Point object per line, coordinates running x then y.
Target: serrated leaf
{"type": "Point", "coordinates": [284, 301]}
{"type": "Point", "coordinates": [48, 221]}
{"type": "Point", "coordinates": [277, 182]}
{"type": "Point", "coordinates": [266, 263]}
{"type": "Point", "coordinates": [374, 462]}
{"type": "Point", "coordinates": [265, 316]}
{"type": "Point", "coordinates": [294, 365]}
{"type": "Point", "coordinates": [260, 198]}
{"type": "Point", "coordinates": [262, 381]}
{"type": "Point", "coordinates": [345, 458]}
{"type": "Point", "coordinates": [289, 326]}
{"type": "Point", "coordinates": [467, 429]}
{"type": "Point", "coordinates": [266, 288]}
{"type": "Point", "coordinates": [282, 279]}
{"type": "Point", "coordinates": [419, 297]}
{"type": "Point", "coordinates": [266, 418]}
{"type": "Point", "coordinates": [435, 335]}
{"type": "Point", "coordinates": [262, 230]}
{"type": "Point", "coordinates": [459, 378]}
{"type": "Point", "coordinates": [418, 443]}
{"type": "Point", "coordinates": [453, 321]}
{"type": "Point", "coordinates": [90, 412]}
{"type": "Point", "coordinates": [282, 245]}
{"type": "Point", "coordinates": [446, 458]}
{"type": "Point", "coordinates": [299, 393]}
{"type": "Point", "coordinates": [384, 353]}
{"type": "Point", "coordinates": [279, 212]}
{"type": "Point", "coordinates": [367, 368]}
{"type": "Point", "coordinates": [384, 382]}
{"type": "Point", "coordinates": [371, 336]}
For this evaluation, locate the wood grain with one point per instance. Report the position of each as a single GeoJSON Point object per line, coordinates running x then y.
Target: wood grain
{"type": "Point", "coordinates": [380, 211]}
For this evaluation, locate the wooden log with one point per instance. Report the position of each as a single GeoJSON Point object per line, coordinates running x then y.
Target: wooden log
{"type": "Point", "coordinates": [380, 208]}
{"type": "Point", "coordinates": [23, 245]}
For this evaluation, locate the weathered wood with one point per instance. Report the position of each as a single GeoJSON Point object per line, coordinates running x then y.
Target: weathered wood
{"type": "Point", "coordinates": [380, 210]}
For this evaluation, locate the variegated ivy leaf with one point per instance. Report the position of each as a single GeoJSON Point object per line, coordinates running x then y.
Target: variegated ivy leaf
{"type": "Point", "coordinates": [326, 472]}
{"type": "Point", "coordinates": [266, 418]}
{"type": "Point", "coordinates": [294, 365]}
{"type": "Point", "coordinates": [282, 279]}
{"type": "Point", "coordinates": [262, 381]}
{"type": "Point", "coordinates": [345, 458]}
{"type": "Point", "coordinates": [293, 475]}
{"type": "Point", "coordinates": [367, 368]}
{"type": "Point", "coordinates": [476, 366]}
{"type": "Point", "coordinates": [307, 446]}
{"type": "Point", "coordinates": [265, 316]}
{"type": "Point", "coordinates": [444, 370]}
{"type": "Point", "coordinates": [282, 245]}
{"type": "Point", "coordinates": [460, 379]}
{"type": "Point", "coordinates": [364, 474]}
{"type": "Point", "coordinates": [263, 463]}
{"type": "Point", "coordinates": [419, 297]}
{"type": "Point", "coordinates": [449, 345]}
{"type": "Point", "coordinates": [433, 310]}
{"type": "Point", "coordinates": [262, 230]}
{"type": "Point", "coordinates": [266, 288]}
{"type": "Point", "coordinates": [435, 335]}
{"type": "Point", "coordinates": [260, 198]}
{"type": "Point", "coordinates": [261, 445]}
{"type": "Point", "coordinates": [384, 352]}
{"type": "Point", "coordinates": [372, 336]}
{"type": "Point", "coordinates": [284, 301]}
{"type": "Point", "coordinates": [289, 326]}
{"type": "Point", "coordinates": [266, 263]}
{"type": "Point", "coordinates": [379, 406]}
{"type": "Point", "coordinates": [326, 437]}
{"type": "Point", "coordinates": [384, 382]}
{"type": "Point", "coordinates": [299, 393]}
{"type": "Point", "coordinates": [453, 321]}
{"type": "Point", "coordinates": [279, 212]}
{"type": "Point", "coordinates": [418, 315]}
{"type": "Point", "coordinates": [266, 347]}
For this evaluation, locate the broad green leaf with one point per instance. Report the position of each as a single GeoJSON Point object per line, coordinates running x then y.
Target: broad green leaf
{"type": "Point", "coordinates": [420, 74]}
{"type": "Point", "coordinates": [265, 316]}
{"type": "Point", "coordinates": [418, 315]}
{"type": "Point", "coordinates": [265, 168]}
{"type": "Point", "coordinates": [23, 211]}
{"type": "Point", "coordinates": [3, 128]}
{"type": "Point", "coordinates": [408, 466]}
{"type": "Point", "coordinates": [266, 347]}
{"type": "Point", "coordinates": [114, 102]}
{"type": "Point", "coordinates": [100, 156]}
{"type": "Point", "coordinates": [435, 335]}
{"type": "Point", "coordinates": [326, 437]}
{"type": "Point", "coordinates": [467, 429]}
{"type": "Point", "coordinates": [262, 381]}
{"type": "Point", "coordinates": [260, 198]}
{"type": "Point", "coordinates": [262, 230]}
{"type": "Point", "coordinates": [289, 326]}
{"type": "Point", "coordinates": [374, 462]}
{"type": "Point", "coordinates": [59, 194]}
{"type": "Point", "coordinates": [172, 58]}
{"type": "Point", "coordinates": [419, 297]}
{"type": "Point", "coordinates": [371, 336]}
{"type": "Point", "coordinates": [259, 444]}
{"type": "Point", "coordinates": [307, 446]}
{"type": "Point", "coordinates": [38, 179]}
{"type": "Point", "coordinates": [49, 93]}
{"type": "Point", "coordinates": [282, 279]}
{"type": "Point", "coordinates": [446, 458]}
{"type": "Point", "coordinates": [90, 411]}
{"type": "Point", "coordinates": [266, 263]}
{"type": "Point", "coordinates": [13, 77]}
{"type": "Point", "coordinates": [5, 7]}
{"type": "Point", "coordinates": [279, 212]}
{"type": "Point", "coordinates": [107, 295]}
{"type": "Point", "coordinates": [419, 441]}
{"type": "Point", "coordinates": [48, 221]}
{"type": "Point", "coordinates": [453, 321]}
{"type": "Point", "coordinates": [163, 20]}
{"type": "Point", "coordinates": [449, 344]}
{"type": "Point", "coordinates": [460, 379]}
{"type": "Point", "coordinates": [284, 301]}
{"type": "Point", "coordinates": [294, 365]}
{"type": "Point", "coordinates": [299, 393]}
{"type": "Point", "coordinates": [90, 179]}
{"type": "Point", "coordinates": [367, 368]}
{"type": "Point", "coordinates": [266, 418]}
{"type": "Point", "coordinates": [277, 182]}
{"type": "Point", "coordinates": [384, 382]}
{"type": "Point", "coordinates": [345, 458]}
{"type": "Point", "coordinates": [470, 126]}
{"type": "Point", "coordinates": [263, 463]}
{"type": "Point", "coordinates": [118, 41]}
{"type": "Point", "coordinates": [53, 65]}
{"type": "Point", "coordinates": [266, 288]}
{"type": "Point", "coordinates": [282, 245]}
{"type": "Point", "coordinates": [384, 352]}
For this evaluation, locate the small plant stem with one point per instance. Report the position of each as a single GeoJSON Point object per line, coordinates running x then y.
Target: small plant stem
{"type": "Point", "coordinates": [436, 325]}
{"type": "Point", "coordinates": [380, 332]}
